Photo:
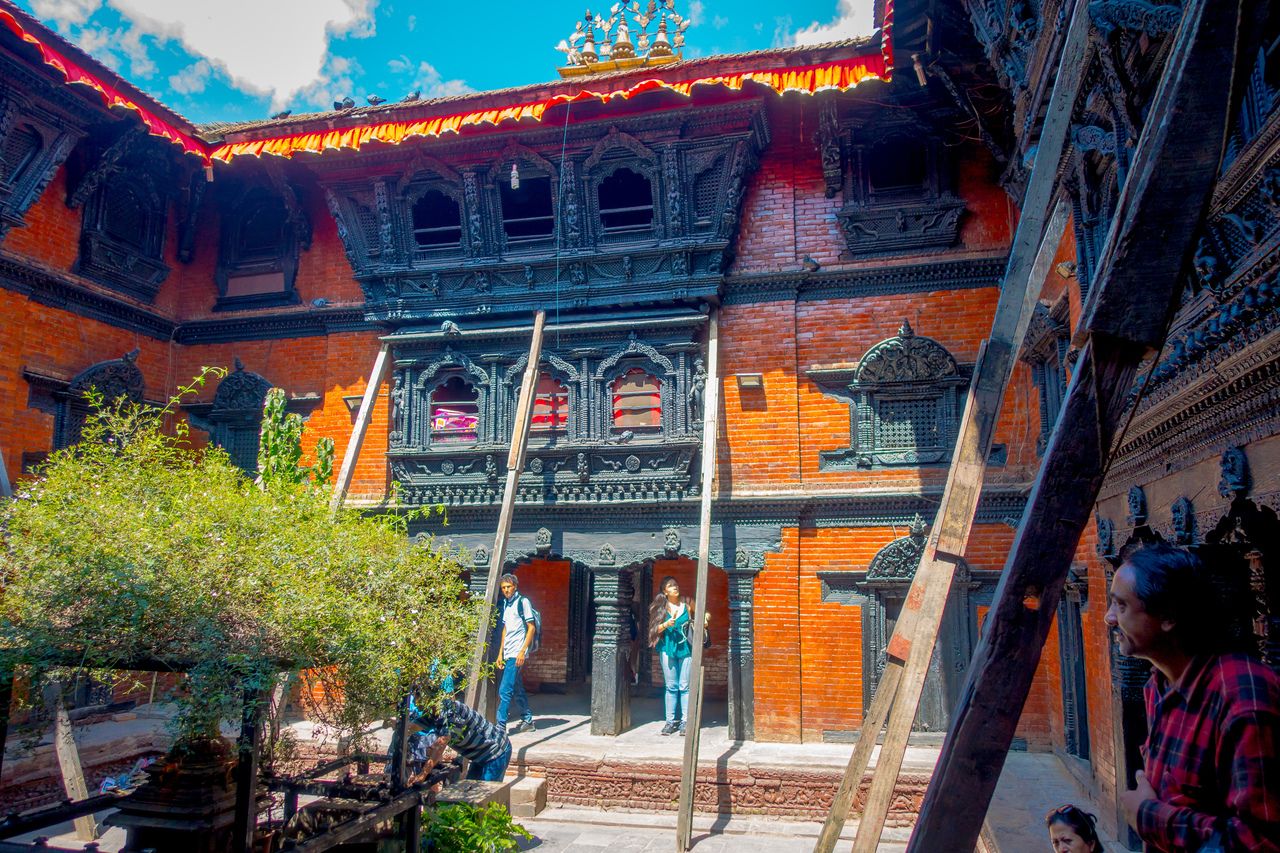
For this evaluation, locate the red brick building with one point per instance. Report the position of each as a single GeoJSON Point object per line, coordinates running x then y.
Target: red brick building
{"type": "Point", "coordinates": [848, 224]}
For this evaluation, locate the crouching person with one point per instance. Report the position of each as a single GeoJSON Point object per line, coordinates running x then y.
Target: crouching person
{"type": "Point", "coordinates": [473, 737]}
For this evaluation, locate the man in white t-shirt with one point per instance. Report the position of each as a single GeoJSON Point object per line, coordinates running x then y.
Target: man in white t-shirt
{"type": "Point", "coordinates": [518, 629]}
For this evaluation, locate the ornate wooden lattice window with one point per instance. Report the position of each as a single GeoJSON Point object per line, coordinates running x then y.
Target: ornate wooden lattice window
{"type": "Point", "coordinates": [117, 379]}
{"type": "Point", "coordinates": [123, 236]}
{"type": "Point", "coordinates": [905, 405]}
{"type": "Point", "coordinates": [258, 263]}
{"type": "Point", "coordinates": [21, 149]}
{"type": "Point", "coordinates": [437, 222]}
{"type": "Point", "coordinates": [626, 203]}
{"type": "Point", "coordinates": [235, 420]}
{"type": "Point", "coordinates": [898, 195]}
{"type": "Point", "coordinates": [550, 407]}
{"type": "Point", "coordinates": [880, 591]}
{"type": "Point", "coordinates": [1046, 353]}
{"type": "Point", "coordinates": [637, 402]}
{"type": "Point", "coordinates": [454, 411]}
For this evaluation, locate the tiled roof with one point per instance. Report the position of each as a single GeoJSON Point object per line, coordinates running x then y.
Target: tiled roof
{"type": "Point", "coordinates": [773, 58]}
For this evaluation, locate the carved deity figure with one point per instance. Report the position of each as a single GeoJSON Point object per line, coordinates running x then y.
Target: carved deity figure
{"type": "Point", "coordinates": [397, 411]}
{"type": "Point", "coordinates": [697, 389]}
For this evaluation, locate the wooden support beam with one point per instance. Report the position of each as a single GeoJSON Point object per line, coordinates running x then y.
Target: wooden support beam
{"type": "Point", "coordinates": [898, 694]}
{"type": "Point", "coordinates": [64, 745]}
{"type": "Point", "coordinates": [6, 489]}
{"type": "Point", "coordinates": [475, 696]}
{"type": "Point", "coordinates": [348, 469]}
{"type": "Point", "coordinates": [1148, 249]}
{"type": "Point", "coordinates": [246, 771]}
{"type": "Point", "coordinates": [693, 712]}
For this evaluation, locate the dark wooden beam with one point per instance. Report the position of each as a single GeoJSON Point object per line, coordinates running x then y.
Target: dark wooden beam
{"type": "Point", "coordinates": [1159, 212]}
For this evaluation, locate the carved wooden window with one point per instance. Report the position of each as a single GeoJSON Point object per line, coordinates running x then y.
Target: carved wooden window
{"type": "Point", "coordinates": [124, 216]}
{"type": "Point", "coordinates": [527, 212]}
{"type": "Point", "coordinates": [706, 194]}
{"type": "Point", "coordinates": [905, 404]}
{"type": "Point", "coordinates": [118, 379]}
{"type": "Point", "coordinates": [123, 236]}
{"type": "Point", "coordinates": [637, 402]}
{"type": "Point", "coordinates": [455, 412]}
{"type": "Point", "coordinates": [897, 167]}
{"type": "Point", "coordinates": [626, 203]}
{"type": "Point", "coordinates": [550, 407]}
{"type": "Point", "coordinates": [437, 222]}
{"type": "Point", "coordinates": [1046, 352]}
{"type": "Point", "coordinates": [259, 252]}
{"type": "Point", "coordinates": [20, 151]}
{"type": "Point", "coordinates": [898, 197]}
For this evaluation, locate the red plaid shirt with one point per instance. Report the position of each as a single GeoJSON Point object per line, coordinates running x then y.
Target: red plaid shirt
{"type": "Point", "coordinates": [1213, 757]}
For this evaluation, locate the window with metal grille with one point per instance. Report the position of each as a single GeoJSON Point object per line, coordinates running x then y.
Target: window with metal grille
{"type": "Point", "coordinates": [637, 401]}
{"type": "Point", "coordinates": [527, 213]}
{"type": "Point", "coordinates": [455, 412]}
{"type": "Point", "coordinates": [124, 216]}
{"type": "Point", "coordinates": [437, 221]}
{"type": "Point", "coordinates": [550, 407]}
{"type": "Point", "coordinates": [626, 202]}
{"type": "Point", "coordinates": [706, 193]}
{"type": "Point", "coordinates": [20, 149]}
{"type": "Point", "coordinates": [902, 424]}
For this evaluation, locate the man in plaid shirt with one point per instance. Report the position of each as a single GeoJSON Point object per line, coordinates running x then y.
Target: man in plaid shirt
{"type": "Point", "coordinates": [1212, 756]}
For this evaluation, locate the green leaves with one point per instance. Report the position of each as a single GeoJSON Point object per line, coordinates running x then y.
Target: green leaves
{"type": "Point", "coordinates": [133, 546]}
{"type": "Point", "coordinates": [461, 828]}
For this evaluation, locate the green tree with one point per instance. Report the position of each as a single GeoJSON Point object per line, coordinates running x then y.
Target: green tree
{"type": "Point", "coordinates": [132, 547]}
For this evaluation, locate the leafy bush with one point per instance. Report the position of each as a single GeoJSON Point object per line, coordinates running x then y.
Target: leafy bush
{"type": "Point", "coordinates": [132, 547]}
{"type": "Point", "coordinates": [461, 828]}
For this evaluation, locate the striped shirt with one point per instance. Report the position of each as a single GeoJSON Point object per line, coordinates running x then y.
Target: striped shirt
{"type": "Point", "coordinates": [471, 735]}
{"type": "Point", "coordinates": [1213, 756]}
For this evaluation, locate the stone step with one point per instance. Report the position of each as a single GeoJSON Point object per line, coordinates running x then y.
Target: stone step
{"type": "Point", "coordinates": [476, 793]}
{"type": "Point", "coordinates": [528, 796]}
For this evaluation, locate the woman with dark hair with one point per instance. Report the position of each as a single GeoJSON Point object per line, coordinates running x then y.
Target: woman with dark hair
{"type": "Point", "coordinates": [1072, 830]}
{"type": "Point", "coordinates": [669, 617]}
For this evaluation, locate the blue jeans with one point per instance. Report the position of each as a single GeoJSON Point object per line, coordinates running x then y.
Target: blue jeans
{"type": "Point", "coordinates": [675, 674]}
{"type": "Point", "coordinates": [492, 770]}
{"type": "Point", "coordinates": [512, 686]}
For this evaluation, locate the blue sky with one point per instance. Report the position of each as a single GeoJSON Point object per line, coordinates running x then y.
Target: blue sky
{"type": "Point", "coordinates": [231, 60]}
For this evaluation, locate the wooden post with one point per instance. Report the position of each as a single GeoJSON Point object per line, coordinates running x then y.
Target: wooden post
{"type": "Point", "coordinates": [246, 771]}
{"type": "Point", "coordinates": [348, 469]}
{"type": "Point", "coordinates": [6, 698]}
{"type": "Point", "coordinates": [1148, 249]}
{"type": "Point", "coordinates": [898, 694]}
{"type": "Point", "coordinates": [693, 712]}
{"type": "Point", "coordinates": [475, 696]}
{"type": "Point", "coordinates": [6, 489]}
{"type": "Point", "coordinates": [64, 744]}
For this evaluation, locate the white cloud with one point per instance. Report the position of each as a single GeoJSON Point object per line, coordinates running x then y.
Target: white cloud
{"type": "Point", "coordinates": [413, 22]}
{"type": "Point", "coordinates": [426, 79]}
{"type": "Point", "coordinates": [64, 13]}
{"type": "Point", "coordinates": [191, 79]}
{"type": "Point", "coordinates": [114, 47]}
{"type": "Point", "coordinates": [854, 18]}
{"type": "Point", "coordinates": [696, 11]}
{"type": "Point", "coordinates": [278, 48]}
{"type": "Point", "coordinates": [719, 22]}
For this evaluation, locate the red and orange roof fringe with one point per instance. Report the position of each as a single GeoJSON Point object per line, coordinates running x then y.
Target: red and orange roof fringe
{"type": "Point", "coordinates": [113, 96]}
{"type": "Point", "coordinates": [834, 76]}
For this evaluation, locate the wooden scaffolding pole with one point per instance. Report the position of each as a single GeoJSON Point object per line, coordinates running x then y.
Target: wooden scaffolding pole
{"type": "Point", "coordinates": [1148, 249]}
{"type": "Point", "coordinates": [693, 711]}
{"type": "Point", "coordinates": [365, 414]}
{"type": "Point", "coordinates": [897, 695]}
{"type": "Point", "coordinates": [475, 696]}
